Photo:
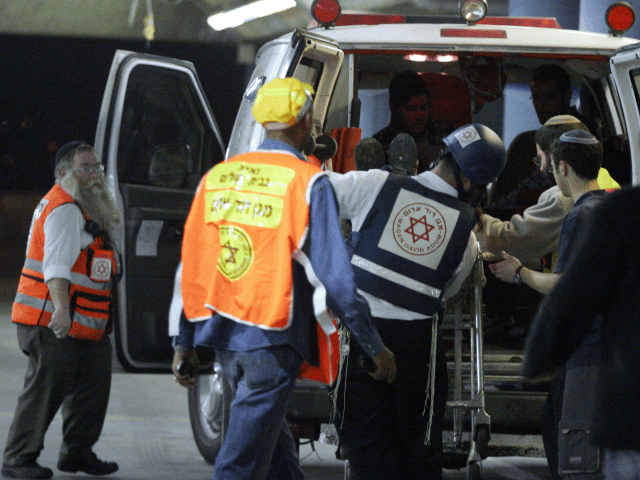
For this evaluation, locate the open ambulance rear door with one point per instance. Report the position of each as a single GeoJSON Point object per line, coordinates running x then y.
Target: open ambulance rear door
{"type": "Point", "coordinates": [625, 67]}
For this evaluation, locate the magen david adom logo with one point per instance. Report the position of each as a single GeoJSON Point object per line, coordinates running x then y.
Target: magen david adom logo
{"type": "Point", "coordinates": [419, 229]}
{"type": "Point", "coordinates": [236, 255]}
{"type": "Point", "coordinates": [468, 136]}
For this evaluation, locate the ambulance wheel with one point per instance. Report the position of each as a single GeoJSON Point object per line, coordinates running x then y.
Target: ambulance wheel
{"type": "Point", "coordinates": [209, 403]}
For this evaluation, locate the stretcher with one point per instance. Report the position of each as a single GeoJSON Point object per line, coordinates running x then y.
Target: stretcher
{"type": "Point", "coordinates": [471, 425]}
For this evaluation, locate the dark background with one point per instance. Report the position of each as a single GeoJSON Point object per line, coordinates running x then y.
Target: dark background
{"type": "Point", "coordinates": [51, 91]}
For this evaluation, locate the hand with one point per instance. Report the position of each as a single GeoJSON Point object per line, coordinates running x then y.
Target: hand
{"type": "Point", "coordinates": [60, 322]}
{"type": "Point", "coordinates": [386, 366]}
{"type": "Point", "coordinates": [505, 269]}
{"type": "Point", "coordinates": [185, 368]}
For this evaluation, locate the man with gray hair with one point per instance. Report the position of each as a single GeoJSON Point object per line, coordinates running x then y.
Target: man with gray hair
{"type": "Point", "coordinates": [62, 313]}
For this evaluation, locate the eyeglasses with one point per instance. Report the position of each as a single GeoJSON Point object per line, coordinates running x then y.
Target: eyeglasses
{"type": "Point", "coordinates": [97, 168]}
{"type": "Point", "coordinates": [537, 161]}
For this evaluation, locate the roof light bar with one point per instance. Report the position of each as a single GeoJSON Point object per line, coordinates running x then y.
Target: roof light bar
{"type": "Point", "coordinates": [236, 17]}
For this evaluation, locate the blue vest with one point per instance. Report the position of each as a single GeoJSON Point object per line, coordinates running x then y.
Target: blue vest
{"type": "Point", "coordinates": [410, 244]}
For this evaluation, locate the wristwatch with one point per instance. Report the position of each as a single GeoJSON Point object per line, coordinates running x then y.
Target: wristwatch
{"type": "Point", "coordinates": [516, 276]}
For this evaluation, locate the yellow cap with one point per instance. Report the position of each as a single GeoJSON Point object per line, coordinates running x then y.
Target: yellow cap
{"type": "Point", "coordinates": [561, 120]}
{"type": "Point", "coordinates": [282, 102]}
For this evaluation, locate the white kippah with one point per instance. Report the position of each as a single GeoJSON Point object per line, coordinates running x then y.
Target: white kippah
{"type": "Point", "coordinates": [579, 136]}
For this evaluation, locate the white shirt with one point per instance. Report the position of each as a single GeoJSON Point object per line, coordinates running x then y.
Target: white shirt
{"type": "Point", "coordinates": [357, 191]}
{"type": "Point", "coordinates": [64, 238]}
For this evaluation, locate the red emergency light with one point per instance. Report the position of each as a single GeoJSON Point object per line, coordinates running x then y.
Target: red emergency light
{"type": "Point", "coordinates": [620, 17]}
{"type": "Point", "coordinates": [326, 12]}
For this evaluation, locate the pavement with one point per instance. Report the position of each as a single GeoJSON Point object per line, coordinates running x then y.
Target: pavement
{"type": "Point", "coordinates": [147, 429]}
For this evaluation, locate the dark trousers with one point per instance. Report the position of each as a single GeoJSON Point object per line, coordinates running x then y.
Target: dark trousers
{"type": "Point", "coordinates": [551, 414]}
{"type": "Point", "coordinates": [72, 373]}
{"type": "Point", "coordinates": [382, 426]}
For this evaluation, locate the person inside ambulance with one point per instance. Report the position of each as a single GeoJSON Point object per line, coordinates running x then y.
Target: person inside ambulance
{"type": "Point", "coordinates": [412, 248]}
{"type": "Point", "coordinates": [521, 183]}
{"type": "Point", "coordinates": [409, 105]}
{"type": "Point", "coordinates": [62, 315]}
{"type": "Point", "coordinates": [262, 254]}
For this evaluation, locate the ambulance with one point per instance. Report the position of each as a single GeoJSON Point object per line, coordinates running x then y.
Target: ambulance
{"type": "Point", "coordinates": [157, 137]}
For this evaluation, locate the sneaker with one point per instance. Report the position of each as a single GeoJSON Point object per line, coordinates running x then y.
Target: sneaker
{"type": "Point", "coordinates": [31, 469]}
{"type": "Point", "coordinates": [369, 154]}
{"type": "Point", "coordinates": [89, 464]}
{"type": "Point", "coordinates": [403, 154]}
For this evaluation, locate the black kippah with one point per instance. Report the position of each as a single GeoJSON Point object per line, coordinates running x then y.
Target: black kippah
{"type": "Point", "coordinates": [66, 148]}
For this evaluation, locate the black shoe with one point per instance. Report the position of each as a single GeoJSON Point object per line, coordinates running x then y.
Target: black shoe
{"type": "Point", "coordinates": [369, 154]}
{"type": "Point", "coordinates": [89, 463]}
{"type": "Point", "coordinates": [403, 154]}
{"type": "Point", "coordinates": [29, 470]}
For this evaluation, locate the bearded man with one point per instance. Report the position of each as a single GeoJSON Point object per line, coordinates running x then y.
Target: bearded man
{"type": "Point", "coordinates": [61, 312]}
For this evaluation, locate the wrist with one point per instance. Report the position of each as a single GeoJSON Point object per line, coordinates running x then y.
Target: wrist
{"type": "Point", "coordinates": [517, 276]}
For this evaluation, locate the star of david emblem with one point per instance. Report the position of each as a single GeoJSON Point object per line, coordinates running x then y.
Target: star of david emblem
{"type": "Point", "coordinates": [232, 250]}
{"type": "Point", "coordinates": [416, 223]}
{"type": "Point", "coordinates": [468, 134]}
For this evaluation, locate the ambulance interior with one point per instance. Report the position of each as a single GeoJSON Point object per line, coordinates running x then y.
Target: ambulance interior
{"type": "Point", "coordinates": [474, 87]}
{"type": "Point", "coordinates": [493, 90]}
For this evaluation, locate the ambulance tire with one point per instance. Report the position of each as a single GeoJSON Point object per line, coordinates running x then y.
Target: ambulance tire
{"type": "Point", "coordinates": [209, 403]}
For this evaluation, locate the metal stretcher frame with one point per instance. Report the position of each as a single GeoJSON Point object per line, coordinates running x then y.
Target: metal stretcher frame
{"type": "Point", "coordinates": [465, 312]}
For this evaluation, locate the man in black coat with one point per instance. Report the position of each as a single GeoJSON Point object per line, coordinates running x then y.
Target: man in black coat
{"type": "Point", "coordinates": [602, 280]}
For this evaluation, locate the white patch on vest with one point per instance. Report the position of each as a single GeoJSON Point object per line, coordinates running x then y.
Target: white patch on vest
{"type": "Point", "coordinates": [100, 269]}
{"type": "Point", "coordinates": [418, 229]}
{"type": "Point", "coordinates": [467, 136]}
{"type": "Point", "coordinates": [40, 208]}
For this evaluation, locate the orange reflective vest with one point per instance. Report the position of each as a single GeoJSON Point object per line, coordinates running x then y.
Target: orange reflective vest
{"type": "Point", "coordinates": [247, 224]}
{"type": "Point", "coordinates": [90, 289]}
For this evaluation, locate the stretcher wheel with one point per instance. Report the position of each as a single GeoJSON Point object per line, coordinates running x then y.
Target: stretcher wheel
{"type": "Point", "coordinates": [482, 441]}
{"type": "Point", "coordinates": [474, 472]}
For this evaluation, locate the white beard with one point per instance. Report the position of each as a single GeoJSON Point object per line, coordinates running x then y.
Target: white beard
{"type": "Point", "coordinates": [94, 199]}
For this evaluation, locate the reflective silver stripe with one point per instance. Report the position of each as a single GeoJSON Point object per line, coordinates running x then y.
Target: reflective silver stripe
{"type": "Point", "coordinates": [85, 281]}
{"type": "Point", "coordinates": [77, 278]}
{"type": "Point", "coordinates": [395, 277]}
{"type": "Point", "coordinates": [34, 265]}
{"type": "Point", "coordinates": [34, 302]}
{"type": "Point", "coordinates": [91, 322]}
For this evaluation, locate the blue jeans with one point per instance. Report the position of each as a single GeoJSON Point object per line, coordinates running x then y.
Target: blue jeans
{"type": "Point", "coordinates": [258, 444]}
{"type": "Point", "coordinates": [622, 464]}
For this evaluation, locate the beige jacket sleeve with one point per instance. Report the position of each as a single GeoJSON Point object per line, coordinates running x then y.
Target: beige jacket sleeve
{"type": "Point", "coordinates": [531, 235]}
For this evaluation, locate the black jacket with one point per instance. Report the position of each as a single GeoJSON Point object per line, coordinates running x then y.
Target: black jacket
{"type": "Point", "coordinates": [603, 277]}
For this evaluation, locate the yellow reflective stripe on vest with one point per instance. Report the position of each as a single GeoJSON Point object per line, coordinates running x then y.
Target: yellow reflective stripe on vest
{"type": "Point", "coordinates": [395, 277]}
{"type": "Point", "coordinates": [263, 178]}
{"type": "Point", "coordinates": [245, 208]}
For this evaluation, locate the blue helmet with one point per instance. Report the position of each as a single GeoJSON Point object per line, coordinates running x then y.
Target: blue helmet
{"type": "Point", "coordinates": [478, 151]}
